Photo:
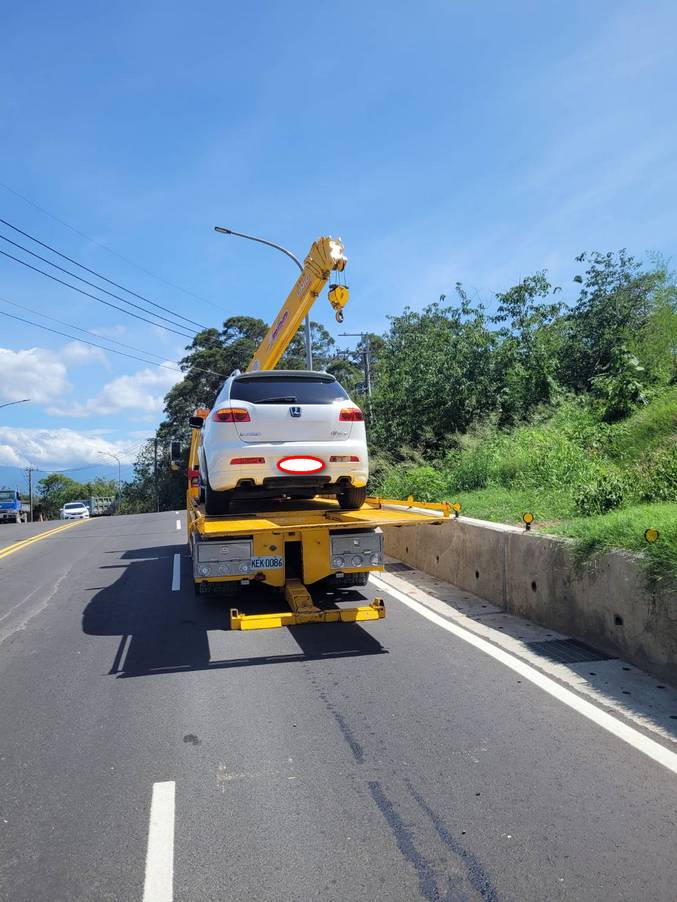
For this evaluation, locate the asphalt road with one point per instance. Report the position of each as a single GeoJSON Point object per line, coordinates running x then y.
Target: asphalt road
{"type": "Point", "coordinates": [389, 760]}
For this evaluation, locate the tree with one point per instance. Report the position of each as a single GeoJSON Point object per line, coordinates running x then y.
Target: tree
{"type": "Point", "coordinates": [212, 356]}
{"type": "Point", "coordinates": [610, 316]}
{"type": "Point", "coordinates": [657, 351]}
{"type": "Point", "coordinates": [619, 385]}
{"type": "Point", "coordinates": [525, 359]}
{"type": "Point", "coordinates": [350, 367]}
{"type": "Point", "coordinates": [57, 489]}
{"type": "Point", "coordinates": [138, 496]}
{"type": "Point", "coordinates": [294, 358]}
{"type": "Point", "coordinates": [433, 377]}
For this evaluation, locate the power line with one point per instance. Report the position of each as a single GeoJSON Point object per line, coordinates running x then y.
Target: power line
{"type": "Point", "coordinates": [80, 329]}
{"type": "Point", "coordinates": [106, 248]}
{"type": "Point", "coordinates": [94, 297]}
{"type": "Point", "coordinates": [91, 284]}
{"type": "Point", "coordinates": [164, 366]}
{"type": "Point", "coordinates": [98, 274]}
{"type": "Point", "coordinates": [21, 319]}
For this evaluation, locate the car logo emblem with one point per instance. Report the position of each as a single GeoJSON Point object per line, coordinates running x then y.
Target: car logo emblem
{"type": "Point", "coordinates": [295, 411]}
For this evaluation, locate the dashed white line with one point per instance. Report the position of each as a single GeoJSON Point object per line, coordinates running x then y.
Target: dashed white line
{"type": "Point", "coordinates": [608, 722]}
{"type": "Point", "coordinates": [178, 524]}
{"type": "Point", "coordinates": [176, 573]}
{"type": "Point", "coordinates": [159, 882]}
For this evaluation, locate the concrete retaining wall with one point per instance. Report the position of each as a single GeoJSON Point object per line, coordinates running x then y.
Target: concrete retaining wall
{"type": "Point", "coordinates": [607, 603]}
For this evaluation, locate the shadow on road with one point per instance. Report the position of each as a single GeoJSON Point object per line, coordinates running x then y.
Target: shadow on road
{"type": "Point", "coordinates": [168, 632]}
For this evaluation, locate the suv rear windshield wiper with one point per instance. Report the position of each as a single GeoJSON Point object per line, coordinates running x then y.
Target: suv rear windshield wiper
{"type": "Point", "coordinates": [282, 399]}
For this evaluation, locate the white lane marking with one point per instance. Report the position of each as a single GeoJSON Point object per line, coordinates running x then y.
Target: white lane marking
{"type": "Point", "coordinates": [159, 883]}
{"type": "Point", "coordinates": [176, 573]}
{"type": "Point", "coordinates": [607, 721]}
{"type": "Point", "coordinates": [178, 524]}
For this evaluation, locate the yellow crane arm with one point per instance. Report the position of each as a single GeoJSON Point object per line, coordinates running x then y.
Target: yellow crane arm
{"type": "Point", "coordinates": [326, 255]}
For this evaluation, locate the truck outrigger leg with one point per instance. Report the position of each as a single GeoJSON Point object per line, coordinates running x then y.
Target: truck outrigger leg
{"type": "Point", "coordinates": [302, 610]}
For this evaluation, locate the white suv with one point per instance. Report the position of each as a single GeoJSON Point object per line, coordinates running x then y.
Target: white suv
{"type": "Point", "coordinates": [291, 433]}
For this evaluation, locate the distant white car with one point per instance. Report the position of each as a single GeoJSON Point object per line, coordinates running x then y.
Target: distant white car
{"type": "Point", "coordinates": [292, 433]}
{"type": "Point", "coordinates": [74, 510]}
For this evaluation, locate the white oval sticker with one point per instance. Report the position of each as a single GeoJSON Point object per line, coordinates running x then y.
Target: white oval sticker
{"type": "Point", "coordinates": [300, 465]}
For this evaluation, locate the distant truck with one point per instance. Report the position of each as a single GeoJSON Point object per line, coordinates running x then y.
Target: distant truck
{"type": "Point", "coordinates": [12, 508]}
{"type": "Point", "coordinates": [101, 506]}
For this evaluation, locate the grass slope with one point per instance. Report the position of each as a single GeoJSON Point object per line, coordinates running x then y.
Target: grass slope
{"type": "Point", "coordinates": [600, 484]}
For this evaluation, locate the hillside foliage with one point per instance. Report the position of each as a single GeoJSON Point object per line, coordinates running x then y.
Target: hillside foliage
{"type": "Point", "coordinates": [565, 401]}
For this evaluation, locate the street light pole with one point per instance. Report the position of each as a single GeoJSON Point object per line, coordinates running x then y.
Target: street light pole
{"type": "Point", "coordinates": [278, 247]}
{"type": "Point", "coordinates": [115, 457]}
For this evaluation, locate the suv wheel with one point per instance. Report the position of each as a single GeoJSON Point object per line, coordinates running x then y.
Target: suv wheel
{"type": "Point", "coordinates": [352, 498]}
{"type": "Point", "coordinates": [215, 502]}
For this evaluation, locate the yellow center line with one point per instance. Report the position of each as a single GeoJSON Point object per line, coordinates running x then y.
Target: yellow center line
{"type": "Point", "coordinates": [17, 546]}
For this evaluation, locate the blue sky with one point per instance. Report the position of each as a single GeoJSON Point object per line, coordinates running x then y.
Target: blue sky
{"type": "Point", "coordinates": [443, 141]}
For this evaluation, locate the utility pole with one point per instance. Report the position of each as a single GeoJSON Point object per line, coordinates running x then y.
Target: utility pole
{"type": "Point", "coordinates": [157, 488]}
{"type": "Point", "coordinates": [29, 473]}
{"type": "Point", "coordinates": [366, 356]}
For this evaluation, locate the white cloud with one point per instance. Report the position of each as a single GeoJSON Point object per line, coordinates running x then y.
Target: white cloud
{"type": "Point", "coordinates": [41, 374]}
{"type": "Point", "coordinates": [110, 331]}
{"type": "Point", "coordinates": [143, 393]}
{"type": "Point", "coordinates": [55, 448]}
{"type": "Point", "coordinates": [34, 373]}
{"type": "Point", "coordinates": [75, 352]}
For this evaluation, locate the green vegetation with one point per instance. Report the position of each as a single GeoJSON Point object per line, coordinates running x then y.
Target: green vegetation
{"type": "Point", "coordinates": [562, 405]}
{"type": "Point", "coordinates": [58, 489]}
{"type": "Point", "coordinates": [567, 411]}
{"type": "Point", "coordinates": [625, 529]}
{"type": "Point", "coordinates": [599, 483]}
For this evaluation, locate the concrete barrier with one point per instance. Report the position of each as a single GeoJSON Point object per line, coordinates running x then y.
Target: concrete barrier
{"type": "Point", "coordinates": [607, 603]}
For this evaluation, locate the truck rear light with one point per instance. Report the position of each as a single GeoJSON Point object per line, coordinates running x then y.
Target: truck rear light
{"type": "Point", "coordinates": [351, 415]}
{"type": "Point", "coordinates": [344, 459]}
{"type": "Point", "coordinates": [194, 477]}
{"type": "Point", "coordinates": [248, 460]}
{"type": "Point", "coordinates": [231, 415]}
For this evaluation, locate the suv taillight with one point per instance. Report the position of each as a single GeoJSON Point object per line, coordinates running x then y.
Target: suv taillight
{"type": "Point", "coordinates": [231, 415]}
{"type": "Point", "coordinates": [351, 415]}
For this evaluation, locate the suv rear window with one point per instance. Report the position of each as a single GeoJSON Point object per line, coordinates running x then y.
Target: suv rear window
{"type": "Point", "coordinates": [287, 390]}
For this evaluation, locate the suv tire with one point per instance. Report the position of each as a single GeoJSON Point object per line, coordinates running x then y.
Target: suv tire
{"type": "Point", "coordinates": [352, 498]}
{"type": "Point", "coordinates": [216, 502]}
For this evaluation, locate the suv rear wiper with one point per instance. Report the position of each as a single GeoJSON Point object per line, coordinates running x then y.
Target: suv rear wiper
{"type": "Point", "coordinates": [282, 399]}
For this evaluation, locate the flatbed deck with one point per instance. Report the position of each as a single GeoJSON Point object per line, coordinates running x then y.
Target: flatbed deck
{"type": "Point", "coordinates": [249, 517]}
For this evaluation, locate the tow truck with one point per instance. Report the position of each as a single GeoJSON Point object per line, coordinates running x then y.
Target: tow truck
{"type": "Point", "coordinates": [292, 545]}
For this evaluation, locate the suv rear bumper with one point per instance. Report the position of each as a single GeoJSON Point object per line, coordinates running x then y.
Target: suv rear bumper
{"type": "Point", "coordinates": [224, 476]}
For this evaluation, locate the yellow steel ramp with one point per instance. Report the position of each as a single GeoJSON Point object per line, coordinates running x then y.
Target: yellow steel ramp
{"type": "Point", "coordinates": [303, 610]}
